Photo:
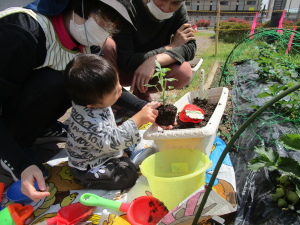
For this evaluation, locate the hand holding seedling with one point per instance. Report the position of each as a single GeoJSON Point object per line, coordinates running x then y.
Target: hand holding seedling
{"type": "Point", "coordinates": [147, 114]}
{"type": "Point", "coordinates": [182, 36]}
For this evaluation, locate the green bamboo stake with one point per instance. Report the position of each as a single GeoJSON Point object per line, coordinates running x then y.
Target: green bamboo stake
{"type": "Point", "coordinates": [231, 142]}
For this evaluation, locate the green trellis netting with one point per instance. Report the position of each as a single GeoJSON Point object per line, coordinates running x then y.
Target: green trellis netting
{"type": "Point", "coordinates": [257, 70]}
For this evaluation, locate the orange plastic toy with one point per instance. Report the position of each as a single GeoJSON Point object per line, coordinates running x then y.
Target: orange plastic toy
{"type": "Point", "coordinates": [15, 214]}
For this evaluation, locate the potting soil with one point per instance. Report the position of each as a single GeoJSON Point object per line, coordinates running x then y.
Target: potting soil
{"type": "Point", "coordinates": [208, 111]}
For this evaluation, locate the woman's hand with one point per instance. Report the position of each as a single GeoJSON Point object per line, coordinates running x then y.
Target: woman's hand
{"type": "Point", "coordinates": [143, 74]}
{"type": "Point", "coordinates": [28, 177]}
{"type": "Point", "coordinates": [170, 127]}
{"type": "Point", "coordinates": [182, 36]}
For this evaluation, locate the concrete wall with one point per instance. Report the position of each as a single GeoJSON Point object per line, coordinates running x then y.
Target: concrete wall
{"type": "Point", "coordinates": [205, 6]}
{"type": "Point", "coordinates": [226, 5]}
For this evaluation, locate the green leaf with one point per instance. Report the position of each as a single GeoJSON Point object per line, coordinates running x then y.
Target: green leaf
{"type": "Point", "coordinates": [298, 189]}
{"type": "Point", "coordinates": [264, 94]}
{"type": "Point", "coordinates": [162, 74]}
{"type": "Point", "coordinates": [161, 82]}
{"type": "Point", "coordinates": [157, 64]}
{"type": "Point", "coordinates": [290, 84]}
{"type": "Point", "coordinates": [170, 79]}
{"type": "Point", "coordinates": [167, 69]}
{"type": "Point", "coordinates": [266, 158]}
{"type": "Point", "coordinates": [172, 96]}
{"type": "Point", "coordinates": [149, 85]}
{"type": "Point", "coordinates": [257, 163]}
{"type": "Point", "coordinates": [289, 166]}
{"type": "Point", "coordinates": [297, 184]}
{"type": "Point", "coordinates": [269, 154]}
{"type": "Point", "coordinates": [155, 75]}
{"type": "Point", "coordinates": [283, 87]}
{"type": "Point", "coordinates": [283, 102]}
{"type": "Point", "coordinates": [170, 87]}
{"type": "Point", "coordinates": [254, 106]}
{"type": "Point", "coordinates": [290, 141]}
{"type": "Point", "coordinates": [273, 88]}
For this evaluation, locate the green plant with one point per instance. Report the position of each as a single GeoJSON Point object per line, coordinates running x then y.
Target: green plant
{"type": "Point", "coordinates": [160, 74]}
{"type": "Point", "coordinates": [203, 23]}
{"type": "Point", "coordinates": [286, 23]}
{"type": "Point", "coordinates": [289, 108]}
{"type": "Point", "coordinates": [288, 185]}
{"type": "Point", "coordinates": [230, 32]}
{"type": "Point", "coordinates": [274, 64]}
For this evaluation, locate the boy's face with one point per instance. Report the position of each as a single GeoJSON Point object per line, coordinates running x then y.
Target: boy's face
{"type": "Point", "coordinates": [109, 99]}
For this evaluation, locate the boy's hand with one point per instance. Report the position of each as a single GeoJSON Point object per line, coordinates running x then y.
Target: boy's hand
{"type": "Point", "coordinates": [147, 114]}
{"type": "Point", "coordinates": [28, 177]}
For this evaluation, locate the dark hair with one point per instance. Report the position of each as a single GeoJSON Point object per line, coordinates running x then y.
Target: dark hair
{"type": "Point", "coordinates": [88, 78]}
{"type": "Point", "coordinates": [93, 5]}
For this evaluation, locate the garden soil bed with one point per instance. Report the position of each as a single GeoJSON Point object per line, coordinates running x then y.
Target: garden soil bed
{"type": "Point", "coordinates": [224, 129]}
{"type": "Point", "coordinates": [208, 111]}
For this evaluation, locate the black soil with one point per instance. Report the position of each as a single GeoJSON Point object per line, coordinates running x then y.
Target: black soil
{"type": "Point", "coordinates": [208, 111]}
{"type": "Point", "coordinates": [166, 115]}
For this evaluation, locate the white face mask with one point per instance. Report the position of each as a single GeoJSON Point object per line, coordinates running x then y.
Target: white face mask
{"type": "Point", "coordinates": [157, 13]}
{"type": "Point", "coordinates": [96, 34]}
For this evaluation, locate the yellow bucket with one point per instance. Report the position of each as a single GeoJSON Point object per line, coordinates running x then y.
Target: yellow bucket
{"type": "Point", "coordinates": [175, 174]}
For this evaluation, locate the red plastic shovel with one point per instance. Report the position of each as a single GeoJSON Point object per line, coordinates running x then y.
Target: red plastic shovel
{"type": "Point", "coordinates": [144, 210]}
{"type": "Point", "coordinates": [2, 185]}
{"type": "Point", "coordinates": [70, 215]}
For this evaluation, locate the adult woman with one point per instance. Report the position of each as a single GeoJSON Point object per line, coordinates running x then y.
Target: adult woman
{"type": "Point", "coordinates": [37, 42]}
{"type": "Point", "coordinates": [162, 34]}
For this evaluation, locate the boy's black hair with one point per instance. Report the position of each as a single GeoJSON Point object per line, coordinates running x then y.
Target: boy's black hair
{"type": "Point", "coordinates": [88, 78]}
{"type": "Point", "coordinates": [92, 5]}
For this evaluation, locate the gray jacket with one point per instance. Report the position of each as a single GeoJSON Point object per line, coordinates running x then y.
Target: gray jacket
{"type": "Point", "coordinates": [94, 138]}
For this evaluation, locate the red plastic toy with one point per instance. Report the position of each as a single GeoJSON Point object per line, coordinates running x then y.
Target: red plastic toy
{"type": "Point", "coordinates": [191, 113]}
{"type": "Point", "coordinates": [70, 215]}
{"type": "Point", "coordinates": [15, 214]}
{"type": "Point", "coordinates": [144, 210]}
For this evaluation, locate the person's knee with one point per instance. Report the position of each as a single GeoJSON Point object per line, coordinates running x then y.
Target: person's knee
{"type": "Point", "coordinates": [183, 74]}
{"type": "Point", "coordinates": [109, 51]}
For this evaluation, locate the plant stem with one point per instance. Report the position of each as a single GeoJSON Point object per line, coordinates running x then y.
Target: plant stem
{"type": "Point", "coordinates": [290, 205]}
{"type": "Point", "coordinates": [231, 142]}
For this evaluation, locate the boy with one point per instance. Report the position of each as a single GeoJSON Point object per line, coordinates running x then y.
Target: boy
{"type": "Point", "coordinates": [95, 144]}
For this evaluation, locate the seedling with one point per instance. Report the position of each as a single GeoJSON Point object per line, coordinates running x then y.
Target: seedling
{"type": "Point", "coordinates": [160, 74]}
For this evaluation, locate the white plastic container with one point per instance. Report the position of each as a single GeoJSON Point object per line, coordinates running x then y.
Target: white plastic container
{"type": "Point", "coordinates": [193, 138]}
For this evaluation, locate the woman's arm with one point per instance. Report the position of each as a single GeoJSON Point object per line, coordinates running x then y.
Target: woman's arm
{"type": "Point", "coordinates": [23, 47]}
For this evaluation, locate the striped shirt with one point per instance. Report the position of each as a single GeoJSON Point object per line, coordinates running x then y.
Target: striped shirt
{"type": "Point", "coordinates": [58, 56]}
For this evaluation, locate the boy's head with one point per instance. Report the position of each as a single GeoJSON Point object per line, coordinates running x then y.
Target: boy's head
{"type": "Point", "coordinates": [92, 81]}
